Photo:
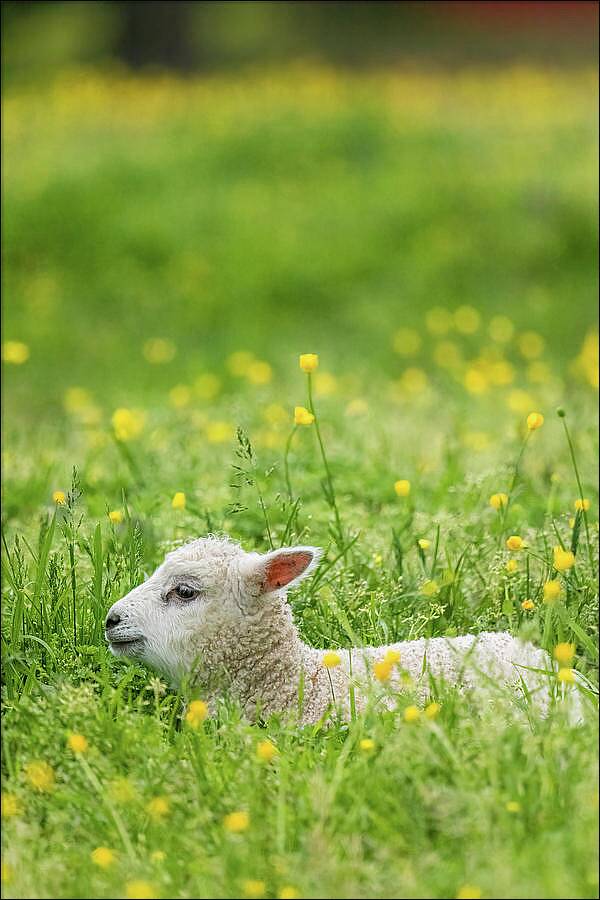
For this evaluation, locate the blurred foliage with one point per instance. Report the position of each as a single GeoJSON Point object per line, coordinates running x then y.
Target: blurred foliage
{"type": "Point", "coordinates": [295, 209]}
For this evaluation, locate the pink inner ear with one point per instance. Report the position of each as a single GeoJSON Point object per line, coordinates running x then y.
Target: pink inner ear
{"type": "Point", "coordinates": [283, 569]}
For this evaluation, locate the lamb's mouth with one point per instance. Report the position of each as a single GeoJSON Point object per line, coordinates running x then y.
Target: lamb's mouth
{"type": "Point", "coordinates": [131, 647]}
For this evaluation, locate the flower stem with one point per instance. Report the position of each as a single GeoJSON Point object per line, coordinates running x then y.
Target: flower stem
{"type": "Point", "coordinates": [331, 682]}
{"type": "Point", "coordinates": [286, 467]}
{"type": "Point", "coordinates": [97, 787]}
{"type": "Point", "coordinates": [514, 479]}
{"type": "Point", "coordinates": [580, 486]}
{"type": "Point", "coordinates": [265, 514]}
{"type": "Point", "coordinates": [331, 492]}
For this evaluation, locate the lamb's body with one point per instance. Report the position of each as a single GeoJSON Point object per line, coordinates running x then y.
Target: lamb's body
{"type": "Point", "coordinates": [274, 669]}
{"type": "Point", "coordinates": [218, 617]}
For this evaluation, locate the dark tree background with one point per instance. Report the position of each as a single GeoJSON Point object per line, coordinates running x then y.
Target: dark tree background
{"type": "Point", "coordinates": [42, 37]}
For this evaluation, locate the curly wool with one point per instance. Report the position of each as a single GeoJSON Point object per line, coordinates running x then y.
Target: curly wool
{"type": "Point", "coordinates": [269, 668]}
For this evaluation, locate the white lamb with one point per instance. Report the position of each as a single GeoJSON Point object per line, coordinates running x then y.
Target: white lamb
{"type": "Point", "coordinates": [219, 616]}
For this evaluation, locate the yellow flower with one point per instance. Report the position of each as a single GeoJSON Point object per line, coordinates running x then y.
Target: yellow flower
{"type": "Point", "coordinates": [103, 857]}
{"type": "Point", "coordinates": [572, 522]}
{"type": "Point", "coordinates": [207, 386]}
{"type": "Point", "coordinates": [325, 384]}
{"type": "Point", "coordinates": [275, 414]}
{"type": "Point", "coordinates": [59, 497]}
{"type": "Point", "coordinates": [268, 438]}
{"type": "Point", "coordinates": [412, 714]}
{"type": "Point", "coordinates": [407, 342]}
{"type": "Point", "coordinates": [115, 516]}
{"type": "Point", "coordinates": [586, 363]}
{"type": "Point", "coordinates": [287, 892]}
{"type": "Point", "coordinates": [178, 501]}
{"type": "Point", "coordinates": [501, 329]}
{"type": "Point", "coordinates": [6, 873]}
{"type": "Point", "coordinates": [519, 401]}
{"type": "Point", "coordinates": [219, 432]}
{"type": "Point", "coordinates": [159, 350]}
{"type": "Point", "coordinates": [40, 776]}
{"type": "Point", "coordinates": [382, 670]}
{"type": "Point", "coordinates": [538, 372]}
{"type": "Point", "coordinates": [128, 423]}
{"type": "Point", "coordinates": [357, 407]}
{"type": "Point", "coordinates": [582, 504]}
{"type": "Point", "coordinates": [238, 363]}
{"type": "Point", "coordinates": [512, 566]}
{"type": "Point", "coordinates": [76, 399]}
{"type": "Point", "coordinates": [424, 544]}
{"type": "Point", "coordinates": [531, 344]}
{"type": "Point", "coordinates": [236, 822]}
{"type": "Point", "coordinates": [10, 806]}
{"type": "Point", "coordinates": [514, 542]}
{"type": "Point", "coordinates": [259, 372]}
{"type": "Point", "coordinates": [447, 355]}
{"type": "Point", "coordinates": [180, 396]}
{"type": "Point", "coordinates": [309, 362]}
{"type": "Point", "coordinates": [432, 710]}
{"type": "Point", "coordinates": [552, 591]}
{"type": "Point", "coordinates": [501, 373]}
{"type": "Point", "coordinates": [331, 659]}
{"type": "Point", "coordinates": [475, 381]}
{"type": "Point", "coordinates": [140, 890]}
{"type": "Point", "coordinates": [563, 559]}
{"type": "Point", "coordinates": [302, 416]}
{"type": "Point", "coordinates": [121, 790]}
{"type": "Point", "coordinates": [77, 743]}
{"type": "Point", "coordinates": [158, 808]}
{"type": "Point", "coordinates": [469, 892]}
{"type": "Point", "coordinates": [566, 676]}
{"type": "Point", "coordinates": [392, 657]}
{"type": "Point", "coordinates": [15, 352]}
{"type": "Point", "coordinates": [402, 487]}
{"type": "Point", "coordinates": [438, 320]}
{"type": "Point", "coordinates": [466, 320]}
{"type": "Point", "coordinates": [253, 888]}
{"type": "Point", "coordinates": [367, 745]}
{"type": "Point", "coordinates": [498, 500]}
{"type": "Point", "coordinates": [528, 605]}
{"type": "Point", "coordinates": [413, 381]}
{"type": "Point", "coordinates": [430, 588]}
{"type": "Point", "coordinates": [535, 420]}
{"type": "Point", "coordinates": [197, 713]}
{"type": "Point", "coordinates": [513, 806]}
{"type": "Point", "coordinates": [476, 440]}
{"type": "Point", "coordinates": [564, 653]}
{"type": "Point", "coordinates": [266, 751]}
{"type": "Point", "coordinates": [158, 856]}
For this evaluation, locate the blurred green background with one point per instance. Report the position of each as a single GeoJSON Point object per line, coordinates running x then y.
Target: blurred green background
{"type": "Point", "coordinates": [284, 177]}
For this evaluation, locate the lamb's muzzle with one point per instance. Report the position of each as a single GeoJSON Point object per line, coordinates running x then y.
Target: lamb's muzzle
{"type": "Point", "coordinates": [218, 615]}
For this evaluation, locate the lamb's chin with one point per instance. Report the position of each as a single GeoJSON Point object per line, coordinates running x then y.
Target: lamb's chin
{"type": "Point", "coordinates": [132, 648]}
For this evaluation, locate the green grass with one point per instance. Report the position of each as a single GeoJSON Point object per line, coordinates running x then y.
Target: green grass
{"type": "Point", "coordinates": [299, 211]}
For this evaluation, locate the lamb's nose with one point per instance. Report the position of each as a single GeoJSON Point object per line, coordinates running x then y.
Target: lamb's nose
{"type": "Point", "coordinates": [112, 619]}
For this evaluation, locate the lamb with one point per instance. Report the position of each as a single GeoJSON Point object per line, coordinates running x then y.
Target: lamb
{"type": "Point", "coordinates": [218, 616]}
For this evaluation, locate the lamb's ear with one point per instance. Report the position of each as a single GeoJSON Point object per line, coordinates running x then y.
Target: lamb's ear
{"type": "Point", "coordinates": [282, 568]}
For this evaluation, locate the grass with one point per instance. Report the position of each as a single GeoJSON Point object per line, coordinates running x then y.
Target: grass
{"type": "Point", "coordinates": [432, 238]}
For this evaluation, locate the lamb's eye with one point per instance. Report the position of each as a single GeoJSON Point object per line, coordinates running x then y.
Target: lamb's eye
{"type": "Point", "coordinates": [183, 592]}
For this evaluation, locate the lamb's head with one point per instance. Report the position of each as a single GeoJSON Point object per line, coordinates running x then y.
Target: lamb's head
{"type": "Point", "coordinates": [203, 590]}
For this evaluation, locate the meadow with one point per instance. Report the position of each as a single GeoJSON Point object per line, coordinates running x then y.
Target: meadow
{"type": "Point", "coordinates": [170, 248]}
